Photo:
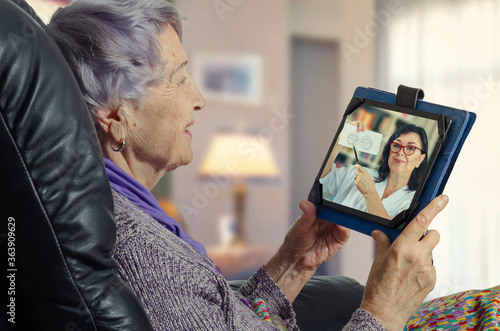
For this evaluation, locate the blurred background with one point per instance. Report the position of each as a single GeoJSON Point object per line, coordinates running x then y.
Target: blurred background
{"type": "Point", "coordinates": [277, 76]}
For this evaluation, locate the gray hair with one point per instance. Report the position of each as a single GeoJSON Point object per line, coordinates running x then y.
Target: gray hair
{"type": "Point", "coordinates": [113, 47]}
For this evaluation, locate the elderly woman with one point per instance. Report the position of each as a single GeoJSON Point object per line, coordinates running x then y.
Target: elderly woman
{"type": "Point", "coordinates": [132, 69]}
{"type": "Point", "coordinates": [389, 190]}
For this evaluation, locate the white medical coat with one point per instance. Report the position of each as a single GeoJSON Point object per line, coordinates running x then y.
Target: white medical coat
{"type": "Point", "coordinates": [339, 183]}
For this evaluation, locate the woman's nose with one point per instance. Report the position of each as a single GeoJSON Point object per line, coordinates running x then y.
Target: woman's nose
{"type": "Point", "coordinates": [199, 100]}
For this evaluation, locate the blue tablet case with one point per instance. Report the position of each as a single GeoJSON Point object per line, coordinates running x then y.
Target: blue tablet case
{"type": "Point", "coordinates": [462, 122]}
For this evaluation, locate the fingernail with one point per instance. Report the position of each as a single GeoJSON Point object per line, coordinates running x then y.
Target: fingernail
{"type": "Point", "coordinates": [443, 200]}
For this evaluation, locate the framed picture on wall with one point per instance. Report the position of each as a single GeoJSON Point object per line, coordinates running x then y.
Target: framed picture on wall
{"type": "Point", "coordinates": [229, 77]}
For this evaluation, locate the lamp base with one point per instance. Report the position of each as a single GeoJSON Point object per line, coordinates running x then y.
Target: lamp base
{"type": "Point", "coordinates": [240, 193]}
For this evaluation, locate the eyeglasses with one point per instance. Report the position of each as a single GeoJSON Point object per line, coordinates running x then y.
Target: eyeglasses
{"type": "Point", "coordinates": [408, 149]}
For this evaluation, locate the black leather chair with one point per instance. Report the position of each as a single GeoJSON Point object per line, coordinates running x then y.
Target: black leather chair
{"type": "Point", "coordinates": [55, 199]}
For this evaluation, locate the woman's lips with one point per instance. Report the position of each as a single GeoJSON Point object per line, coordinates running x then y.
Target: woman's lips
{"type": "Point", "coordinates": [399, 161]}
{"type": "Point", "coordinates": [187, 129]}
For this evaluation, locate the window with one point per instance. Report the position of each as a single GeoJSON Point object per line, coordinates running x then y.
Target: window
{"type": "Point", "coordinates": [451, 49]}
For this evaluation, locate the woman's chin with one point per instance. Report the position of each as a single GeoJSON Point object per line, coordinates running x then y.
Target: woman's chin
{"type": "Point", "coordinates": [397, 168]}
{"type": "Point", "coordinates": [182, 161]}
{"type": "Point", "coordinates": [186, 159]}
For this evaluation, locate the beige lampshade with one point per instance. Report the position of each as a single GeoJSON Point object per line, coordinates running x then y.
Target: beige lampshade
{"type": "Point", "coordinates": [239, 155]}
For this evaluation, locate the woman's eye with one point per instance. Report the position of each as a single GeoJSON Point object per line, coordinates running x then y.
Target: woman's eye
{"type": "Point", "coordinates": [396, 145]}
{"type": "Point", "coordinates": [410, 149]}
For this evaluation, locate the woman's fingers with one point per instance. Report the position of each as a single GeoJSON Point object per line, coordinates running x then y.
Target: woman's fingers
{"type": "Point", "coordinates": [431, 239]}
{"type": "Point", "coordinates": [360, 126]}
{"type": "Point", "coordinates": [363, 180]}
{"type": "Point", "coordinates": [383, 242]}
{"type": "Point", "coordinates": [308, 216]}
{"type": "Point", "coordinates": [418, 226]}
{"type": "Point", "coordinates": [360, 169]}
{"type": "Point", "coordinates": [308, 208]}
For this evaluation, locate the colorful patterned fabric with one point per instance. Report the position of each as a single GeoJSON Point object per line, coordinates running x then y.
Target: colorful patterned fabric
{"type": "Point", "coordinates": [260, 309]}
{"type": "Point", "coordinates": [470, 310]}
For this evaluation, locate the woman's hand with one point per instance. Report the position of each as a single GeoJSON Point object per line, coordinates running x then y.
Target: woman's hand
{"type": "Point", "coordinates": [403, 273]}
{"type": "Point", "coordinates": [364, 181]}
{"type": "Point", "coordinates": [359, 125]}
{"type": "Point", "coordinates": [309, 243]}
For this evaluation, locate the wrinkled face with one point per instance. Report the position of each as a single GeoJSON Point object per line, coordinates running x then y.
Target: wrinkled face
{"type": "Point", "coordinates": [161, 133]}
{"type": "Point", "coordinates": [402, 164]}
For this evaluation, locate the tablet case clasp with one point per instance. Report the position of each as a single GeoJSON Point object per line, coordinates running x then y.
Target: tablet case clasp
{"type": "Point", "coordinates": [408, 96]}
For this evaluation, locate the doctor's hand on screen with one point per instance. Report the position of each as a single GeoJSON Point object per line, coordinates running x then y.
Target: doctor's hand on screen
{"type": "Point", "coordinates": [364, 181]}
{"type": "Point", "coordinates": [360, 126]}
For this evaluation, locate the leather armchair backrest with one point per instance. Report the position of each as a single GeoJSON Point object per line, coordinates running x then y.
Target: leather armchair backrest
{"type": "Point", "coordinates": [56, 209]}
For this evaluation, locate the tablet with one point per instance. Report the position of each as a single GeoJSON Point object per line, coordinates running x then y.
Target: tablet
{"type": "Point", "coordinates": [378, 165]}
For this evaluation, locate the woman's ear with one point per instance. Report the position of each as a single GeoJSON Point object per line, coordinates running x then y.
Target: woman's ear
{"type": "Point", "coordinates": [422, 158]}
{"type": "Point", "coordinates": [104, 118]}
{"type": "Point", "coordinates": [114, 122]}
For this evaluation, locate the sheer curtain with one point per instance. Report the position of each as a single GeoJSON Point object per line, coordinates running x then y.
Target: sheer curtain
{"type": "Point", "coordinates": [451, 49]}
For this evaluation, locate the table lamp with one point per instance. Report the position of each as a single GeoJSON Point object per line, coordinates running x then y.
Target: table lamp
{"type": "Point", "coordinates": [242, 157]}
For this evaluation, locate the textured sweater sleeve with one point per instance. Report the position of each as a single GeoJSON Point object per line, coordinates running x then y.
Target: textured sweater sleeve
{"type": "Point", "coordinates": [179, 287]}
{"type": "Point", "coordinates": [261, 285]}
{"type": "Point", "coordinates": [362, 320]}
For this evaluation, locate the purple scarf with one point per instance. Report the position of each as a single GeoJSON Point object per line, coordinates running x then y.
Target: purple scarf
{"type": "Point", "coordinates": [140, 196]}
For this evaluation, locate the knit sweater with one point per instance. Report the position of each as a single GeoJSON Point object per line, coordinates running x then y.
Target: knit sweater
{"type": "Point", "coordinates": [181, 289]}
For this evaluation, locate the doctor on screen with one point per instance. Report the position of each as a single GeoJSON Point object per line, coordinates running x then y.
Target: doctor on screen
{"type": "Point", "coordinates": [388, 191]}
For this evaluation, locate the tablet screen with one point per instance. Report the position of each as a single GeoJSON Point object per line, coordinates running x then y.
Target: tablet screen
{"type": "Point", "coordinates": [379, 160]}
